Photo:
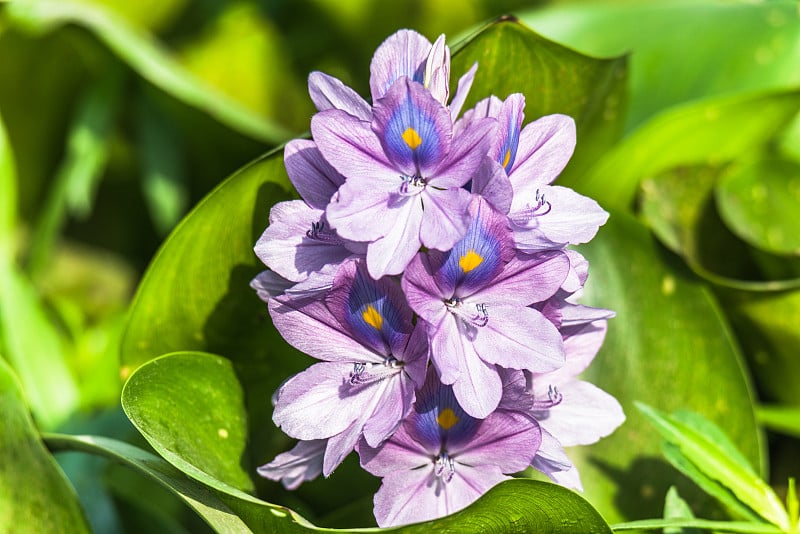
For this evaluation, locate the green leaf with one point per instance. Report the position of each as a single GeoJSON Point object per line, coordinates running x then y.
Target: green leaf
{"type": "Point", "coordinates": [710, 486]}
{"type": "Point", "coordinates": [758, 202]}
{"type": "Point", "coordinates": [678, 204]}
{"type": "Point", "coordinates": [554, 79]}
{"type": "Point", "coordinates": [696, 133]}
{"type": "Point", "coordinates": [147, 57]}
{"type": "Point", "coordinates": [35, 496]}
{"type": "Point", "coordinates": [666, 345]}
{"type": "Point", "coordinates": [784, 419]}
{"type": "Point", "coordinates": [702, 48]}
{"type": "Point", "coordinates": [690, 435]}
{"type": "Point", "coordinates": [189, 407]}
{"type": "Point", "coordinates": [767, 326]}
{"type": "Point", "coordinates": [703, 524]}
{"type": "Point", "coordinates": [676, 508]}
{"type": "Point", "coordinates": [204, 501]}
{"type": "Point", "coordinates": [35, 349]}
{"type": "Point", "coordinates": [8, 196]}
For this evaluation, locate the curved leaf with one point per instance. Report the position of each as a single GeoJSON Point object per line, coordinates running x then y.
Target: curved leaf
{"type": "Point", "coordinates": [146, 56]}
{"type": "Point", "coordinates": [554, 79]}
{"type": "Point", "coordinates": [712, 131]}
{"type": "Point", "coordinates": [190, 409]}
{"type": "Point", "coordinates": [35, 496]}
{"type": "Point", "coordinates": [702, 47]}
{"type": "Point", "coordinates": [8, 195]}
{"type": "Point", "coordinates": [668, 346]}
{"type": "Point", "coordinates": [758, 202]}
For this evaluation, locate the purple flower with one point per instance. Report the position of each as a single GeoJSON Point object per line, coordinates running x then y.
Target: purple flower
{"type": "Point", "coordinates": [543, 216]}
{"type": "Point", "coordinates": [570, 411]}
{"type": "Point", "coordinates": [404, 175]}
{"type": "Point", "coordinates": [475, 300]}
{"type": "Point", "coordinates": [372, 356]}
{"type": "Point", "coordinates": [441, 459]}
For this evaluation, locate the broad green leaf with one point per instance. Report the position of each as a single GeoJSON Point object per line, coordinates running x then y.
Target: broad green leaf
{"type": "Point", "coordinates": [35, 496]}
{"type": "Point", "coordinates": [554, 79]}
{"type": "Point", "coordinates": [709, 132]}
{"type": "Point", "coordinates": [204, 501]}
{"type": "Point", "coordinates": [784, 419]}
{"type": "Point", "coordinates": [678, 204]}
{"type": "Point", "coordinates": [715, 460]}
{"type": "Point", "coordinates": [676, 508]}
{"type": "Point", "coordinates": [767, 326]}
{"type": "Point", "coordinates": [205, 266]}
{"type": "Point", "coordinates": [189, 407]}
{"type": "Point", "coordinates": [682, 51]}
{"type": "Point", "coordinates": [666, 345]}
{"type": "Point", "coordinates": [86, 154]}
{"type": "Point", "coordinates": [758, 202]}
{"type": "Point", "coordinates": [147, 57]}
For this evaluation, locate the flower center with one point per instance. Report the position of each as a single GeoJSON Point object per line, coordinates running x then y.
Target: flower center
{"type": "Point", "coordinates": [368, 372]}
{"type": "Point", "coordinates": [319, 232]}
{"type": "Point", "coordinates": [412, 185]}
{"type": "Point", "coordinates": [480, 318]}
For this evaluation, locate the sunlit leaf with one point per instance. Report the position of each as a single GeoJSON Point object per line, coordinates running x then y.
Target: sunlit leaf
{"type": "Point", "coordinates": [758, 202]}
{"type": "Point", "coordinates": [708, 132]}
{"type": "Point", "coordinates": [35, 496]}
{"type": "Point", "coordinates": [676, 508]}
{"type": "Point", "coordinates": [666, 345]}
{"type": "Point", "coordinates": [682, 51]}
{"type": "Point", "coordinates": [690, 434]}
{"type": "Point", "coordinates": [200, 498]}
{"type": "Point", "coordinates": [702, 524]}
{"type": "Point", "coordinates": [147, 57]}
{"type": "Point", "coordinates": [189, 407]}
{"type": "Point", "coordinates": [785, 419]}
{"type": "Point", "coordinates": [554, 79]}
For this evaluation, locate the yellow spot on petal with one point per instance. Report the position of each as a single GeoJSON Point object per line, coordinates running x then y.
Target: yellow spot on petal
{"type": "Point", "coordinates": [372, 317]}
{"type": "Point", "coordinates": [223, 433]}
{"type": "Point", "coordinates": [470, 260]}
{"type": "Point", "coordinates": [447, 418]}
{"type": "Point", "coordinates": [507, 158]}
{"type": "Point", "coordinates": [412, 138]}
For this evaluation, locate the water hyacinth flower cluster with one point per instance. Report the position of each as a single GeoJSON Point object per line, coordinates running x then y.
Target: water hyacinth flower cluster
{"type": "Point", "coordinates": [426, 268]}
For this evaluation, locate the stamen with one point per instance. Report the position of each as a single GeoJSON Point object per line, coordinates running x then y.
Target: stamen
{"type": "Point", "coordinates": [319, 232]}
{"type": "Point", "coordinates": [523, 217]}
{"type": "Point", "coordinates": [444, 468]}
{"type": "Point", "coordinates": [479, 319]}
{"type": "Point", "coordinates": [412, 185]}
{"type": "Point", "coordinates": [554, 398]}
{"type": "Point", "coordinates": [368, 372]}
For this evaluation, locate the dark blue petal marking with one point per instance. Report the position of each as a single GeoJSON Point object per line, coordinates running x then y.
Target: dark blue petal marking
{"type": "Point", "coordinates": [440, 421]}
{"type": "Point", "coordinates": [475, 260]}
{"type": "Point", "coordinates": [373, 315]}
{"type": "Point", "coordinates": [412, 138]}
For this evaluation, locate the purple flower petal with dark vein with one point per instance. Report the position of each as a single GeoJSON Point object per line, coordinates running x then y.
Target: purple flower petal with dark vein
{"type": "Point", "coordinates": [404, 172]}
{"type": "Point", "coordinates": [441, 459]}
{"type": "Point", "coordinates": [373, 356]}
{"type": "Point", "coordinates": [328, 92]}
{"type": "Point", "coordinates": [314, 178]}
{"type": "Point", "coordinates": [475, 300]}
